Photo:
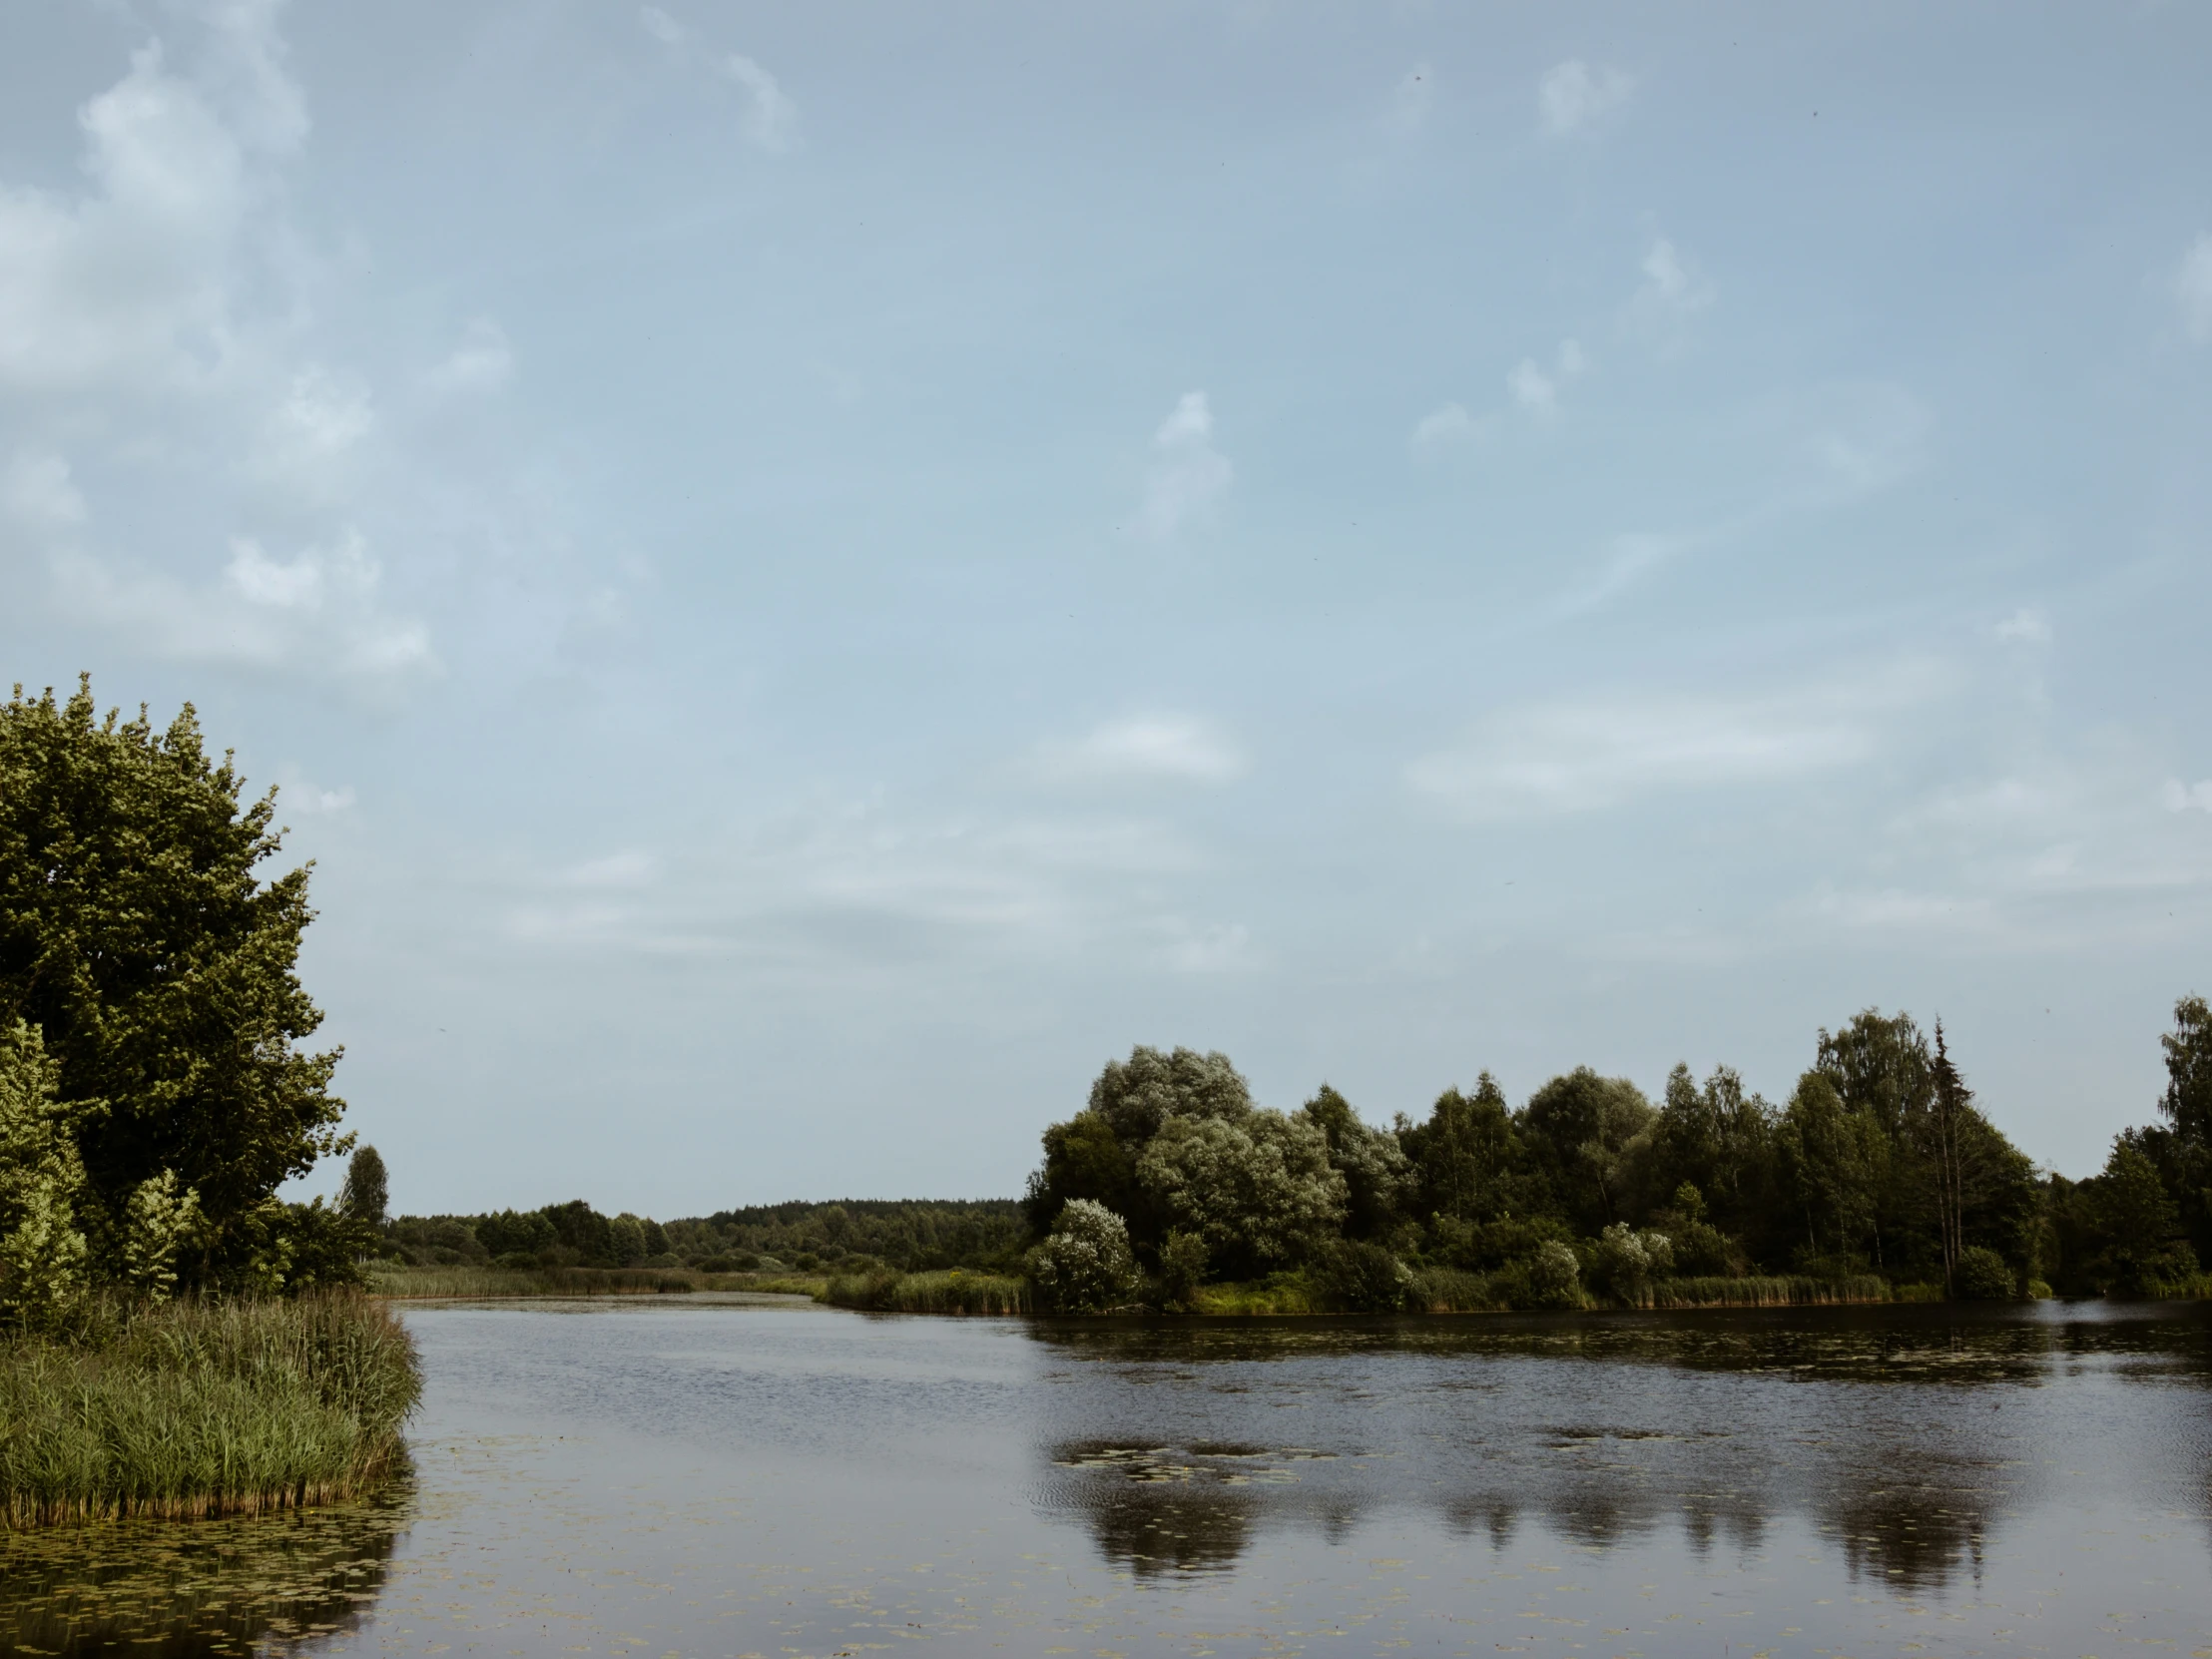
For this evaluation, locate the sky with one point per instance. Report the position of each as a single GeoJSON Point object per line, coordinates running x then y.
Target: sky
{"type": "Point", "coordinates": [808, 574]}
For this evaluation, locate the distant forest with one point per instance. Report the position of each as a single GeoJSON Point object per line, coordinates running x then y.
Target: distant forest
{"type": "Point", "coordinates": [1881, 1161]}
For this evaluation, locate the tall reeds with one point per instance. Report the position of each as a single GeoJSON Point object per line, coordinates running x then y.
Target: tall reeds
{"type": "Point", "coordinates": [928, 1293]}
{"type": "Point", "coordinates": [198, 1410]}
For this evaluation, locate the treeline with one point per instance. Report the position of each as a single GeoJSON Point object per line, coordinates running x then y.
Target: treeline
{"type": "Point", "coordinates": [1879, 1162]}
{"type": "Point", "coordinates": [850, 1236]}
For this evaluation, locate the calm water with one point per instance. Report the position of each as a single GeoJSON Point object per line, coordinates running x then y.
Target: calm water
{"type": "Point", "coordinates": [705, 1477]}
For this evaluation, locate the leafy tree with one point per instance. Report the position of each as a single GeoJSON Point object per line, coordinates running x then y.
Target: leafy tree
{"type": "Point", "coordinates": [160, 968]}
{"type": "Point", "coordinates": [1834, 1158]}
{"type": "Point", "coordinates": [367, 1192]}
{"type": "Point", "coordinates": [1582, 1128]}
{"type": "Point", "coordinates": [1377, 1178]}
{"type": "Point", "coordinates": [1466, 1157]}
{"type": "Point", "coordinates": [2138, 1233]}
{"type": "Point", "coordinates": [1260, 1190]}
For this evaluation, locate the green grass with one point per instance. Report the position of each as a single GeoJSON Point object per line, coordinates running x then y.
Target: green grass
{"type": "Point", "coordinates": [205, 1408]}
{"type": "Point", "coordinates": [486, 1282]}
{"type": "Point", "coordinates": [955, 1291]}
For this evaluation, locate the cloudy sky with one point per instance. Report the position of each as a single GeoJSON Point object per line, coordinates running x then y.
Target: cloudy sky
{"type": "Point", "coordinates": [810, 573]}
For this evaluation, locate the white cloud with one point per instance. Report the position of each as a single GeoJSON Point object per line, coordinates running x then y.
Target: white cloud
{"type": "Point", "coordinates": [1536, 390]}
{"type": "Point", "coordinates": [481, 363]}
{"type": "Point", "coordinates": [1574, 98]}
{"type": "Point", "coordinates": [1189, 475]}
{"type": "Point", "coordinates": [1444, 428]}
{"type": "Point", "coordinates": [662, 27]}
{"type": "Point", "coordinates": [1672, 291]}
{"type": "Point", "coordinates": [771, 118]}
{"type": "Point", "coordinates": [1165, 745]}
{"type": "Point", "coordinates": [2025, 627]}
{"type": "Point", "coordinates": [2193, 289]}
{"type": "Point", "coordinates": [2182, 798]}
{"type": "Point", "coordinates": [319, 613]}
{"type": "Point", "coordinates": [1585, 756]}
{"type": "Point", "coordinates": [38, 494]}
{"type": "Point", "coordinates": [307, 798]}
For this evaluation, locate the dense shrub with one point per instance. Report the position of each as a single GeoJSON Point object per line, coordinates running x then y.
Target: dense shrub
{"type": "Point", "coordinates": [1984, 1277]}
{"type": "Point", "coordinates": [1085, 1264]}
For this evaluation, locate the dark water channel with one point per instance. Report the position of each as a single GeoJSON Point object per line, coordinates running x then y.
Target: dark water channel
{"type": "Point", "coordinates": [781, 1481]}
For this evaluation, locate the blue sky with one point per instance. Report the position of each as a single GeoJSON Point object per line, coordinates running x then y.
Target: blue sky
{"type": "Point", "coordinates": [810, 574]}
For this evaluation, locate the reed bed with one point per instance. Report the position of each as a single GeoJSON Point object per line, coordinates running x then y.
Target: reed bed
{"type": "Point", "coordinates": [1775, 1290]}
{"type": "Point", "coordinates": [200, 1410]}
{"type": "Point", "coordinates": [478, 1284]}
{"type": "Point", "coordinates": [928, 1293]}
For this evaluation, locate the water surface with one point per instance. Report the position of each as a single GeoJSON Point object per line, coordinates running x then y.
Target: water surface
{"type": "Point", "coordinates": [780, 1480]}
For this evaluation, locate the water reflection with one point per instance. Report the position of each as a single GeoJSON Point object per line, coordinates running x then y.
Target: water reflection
{"type": "Point", "coordinates": [170, 1589]}
{"type": "Point", "coordinates": [1902, 1436]}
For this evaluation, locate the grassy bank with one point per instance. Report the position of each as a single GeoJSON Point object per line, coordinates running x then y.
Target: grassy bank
{"type": "Point", "coordinates": [200, 1410]}
{"type": "Point", "coordinates": [952, 1292]}
{"type": "Point", "coordinates": [487, 1282]}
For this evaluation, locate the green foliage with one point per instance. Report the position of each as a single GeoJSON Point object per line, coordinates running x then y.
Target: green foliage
{"type": "Point", "coordinates": [1183, 1263]}
{"type": "Point", "coordinates": [43, 1254]}
{"type": "Point", "coordinates": [202, 1409]}
{"type": "Point", "coordinates": [1982, 1276]}
{"type": "Point", "coordinates": [161, 972]}
{"type": "Point", "coordinates": [368, 1191]}
{"type": "Point", "coordinates": [1466, 1157]}
{"type": "Point", "coordinates": [1624, 1263]}
{"type": "Point", "coordinates": [1361, 1277]}
{"type": "Point", "coordinates": [1084, 1265]}
{"type": "Point", "coordinates": [1586, 1133]}
{"type": "Point", "coordinates": [1259, 1189]}
{"type": "Point", "coordinates": [1377, 1176]}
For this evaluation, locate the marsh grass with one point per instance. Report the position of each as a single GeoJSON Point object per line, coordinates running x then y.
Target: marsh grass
{"type": "Point", "coordinates": [1775, 1290]}
{"type": "Point", "coordinates": [474, 1283]}
{"type": "Point", "coordinates": [955, 1291]}
{"type": "Point", "coordinates": [199, 1410]}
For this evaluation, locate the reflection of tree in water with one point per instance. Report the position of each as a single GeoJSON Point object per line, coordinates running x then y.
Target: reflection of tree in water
{"type": "Point", "coordinates": [1878, 1423]}
{"type": "Point", "coordinates": [173, 1589]}
{"type": "Point", "coordinates": [1160, 1509]}
{"type": "Point", "coordinates": [1910, 1534]}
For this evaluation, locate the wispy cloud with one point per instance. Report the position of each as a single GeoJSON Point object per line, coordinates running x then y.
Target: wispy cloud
{"type": "Point", "coordinates": [1589, 755]}
{"type": "Point", "coordinates": [2193, 289]}
{"type": "Point", "coordinates": [1536, 388]}
{"type": "Point", "coordinates": [1187, 475]}
{"type": "Point", "coordinates": [1574, 98]}
{"type": "Point", "coordinates": [1164, 746]}
{"type": "Point", "coordinates": [2182, 798]}
{"type": "Point", "coordinates": [1672, 291]}
{"type": "Point", "coordinates": [481, 363]}
{"type": "Point", "coordinates": [2026, 626]}
{"type": "Point", "coordinates": [1447, 429]}
{"type": "Point", "coordinates": [771, 118]}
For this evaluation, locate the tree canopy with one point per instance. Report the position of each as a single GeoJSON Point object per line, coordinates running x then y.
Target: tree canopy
{"type": "Point", "coordinates": [141, 942]}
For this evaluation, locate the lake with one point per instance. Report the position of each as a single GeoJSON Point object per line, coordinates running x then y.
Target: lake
{"type": "Point", "coordinates": [699, 1476]}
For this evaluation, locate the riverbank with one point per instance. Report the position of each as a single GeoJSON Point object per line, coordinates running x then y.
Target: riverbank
{"type": "Point", "coordinates": [199, 1410]}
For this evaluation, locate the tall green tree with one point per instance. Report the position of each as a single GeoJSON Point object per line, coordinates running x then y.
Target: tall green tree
{"type": "Point", "coordinates": [145, 931]}
{"type": "Point", "coordinates": [1465, 1156]}
{"type": "Point", "coordinates": [1584, 1129]}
